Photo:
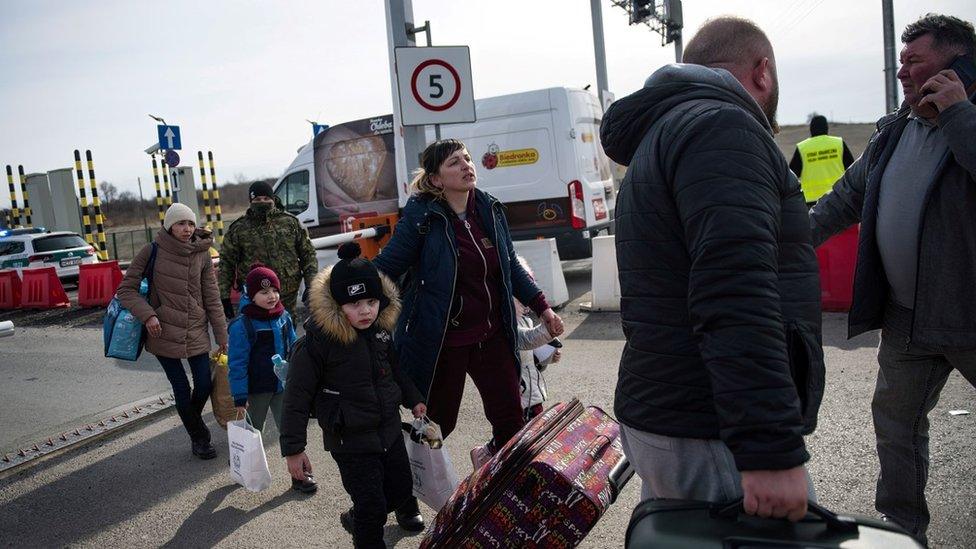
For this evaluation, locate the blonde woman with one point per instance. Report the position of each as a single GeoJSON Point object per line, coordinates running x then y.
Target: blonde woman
{"type": "Point", "coordinates": [458, 316]}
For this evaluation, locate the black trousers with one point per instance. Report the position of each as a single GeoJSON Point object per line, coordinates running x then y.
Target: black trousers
{"type": "Point", "coordinates": [190, 403]}
{"type": "Point", "coordinates": [377, 484]}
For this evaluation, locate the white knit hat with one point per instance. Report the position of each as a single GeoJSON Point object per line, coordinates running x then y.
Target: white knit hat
{"type": "Point", "coordinates": [176, 213]}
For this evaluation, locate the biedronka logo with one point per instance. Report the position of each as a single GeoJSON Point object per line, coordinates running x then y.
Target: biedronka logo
{"type": "Point", "coordinates": [495, 158]}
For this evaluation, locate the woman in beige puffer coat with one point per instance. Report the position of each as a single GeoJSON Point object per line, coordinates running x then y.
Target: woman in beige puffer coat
{"type": "Point", "coordinates": [183, 304]}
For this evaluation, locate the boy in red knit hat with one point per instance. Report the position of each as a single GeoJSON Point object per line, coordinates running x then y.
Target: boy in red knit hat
{"type": "Point", "coordinates": [263, 329]}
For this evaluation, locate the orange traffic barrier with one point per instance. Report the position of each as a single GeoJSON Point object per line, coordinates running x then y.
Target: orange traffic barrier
{"type": "Point", "coordinates": [370, 246]}
{"type": "Point", "coordinates": [43, 290]}
{"type": "Point", "coordinates": [9, 290]}
{"type": "Point", "coordinates": [97, 283]}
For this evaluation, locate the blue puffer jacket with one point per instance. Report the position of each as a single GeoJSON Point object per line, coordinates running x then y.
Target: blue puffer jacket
{"type": "Point", "coordinates": [253, 372]}
{"type": "Point", "coordinates": [424, 245]}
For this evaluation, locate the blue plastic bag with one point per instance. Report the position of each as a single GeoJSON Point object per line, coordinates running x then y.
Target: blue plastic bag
{"type": "Point", "coordinates": [123, 334]}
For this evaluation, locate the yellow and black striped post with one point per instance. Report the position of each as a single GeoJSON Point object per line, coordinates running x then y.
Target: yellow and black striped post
{"type": "Point", "coordinates": [206, 193]}
{"type": "Point", "coordinates": [168, 198]}
{"type": "Point", "coordinates": [159, 192]}
{"type": "Point", "coordinates": [14, 212]}
{"type": "Point", "coordinates": [99, 220]}
{"type": "Point", "coordinates": [83, 196]}
{"type": "Point", "coordinates": [25, 196]}
{"type": "Point", "coordinates": [216, 199]}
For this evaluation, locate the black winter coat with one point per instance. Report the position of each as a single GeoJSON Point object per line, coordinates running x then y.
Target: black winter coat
{"type": "Point", "coordinates": [720, 292]}
{"type": "Point", "coordinates": [349, 378]}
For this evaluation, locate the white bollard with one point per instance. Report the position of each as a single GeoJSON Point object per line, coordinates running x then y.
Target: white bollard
{"type": "Point", "coordinates": [543, 257]}
{"type": "Point", "coordinates": [6, 328]}
{"type": "Point", "coordinates": [606, 284]}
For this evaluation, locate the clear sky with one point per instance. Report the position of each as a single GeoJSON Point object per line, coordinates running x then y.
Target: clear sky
{"type": "Point", "coordinates": [241, 76]}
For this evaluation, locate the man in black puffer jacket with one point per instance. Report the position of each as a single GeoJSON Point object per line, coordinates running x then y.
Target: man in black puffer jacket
{"type": "Point", "coordinates": [723, 372]}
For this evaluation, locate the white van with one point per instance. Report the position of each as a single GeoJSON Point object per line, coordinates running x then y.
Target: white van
{"type": "Point", "coordinates": [538, 152]}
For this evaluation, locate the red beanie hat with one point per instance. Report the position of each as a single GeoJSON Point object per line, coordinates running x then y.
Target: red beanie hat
{"type": "Point", "coordinates": [260, 277]}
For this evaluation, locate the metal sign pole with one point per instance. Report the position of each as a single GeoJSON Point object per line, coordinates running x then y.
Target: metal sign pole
{"type": "Point", "coordinates": [599, 52]}
{"type": "Point", "coordinates": [408, 141]}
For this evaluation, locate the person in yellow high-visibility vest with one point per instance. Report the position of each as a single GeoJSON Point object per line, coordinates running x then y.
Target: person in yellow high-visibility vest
{"type": "Point", "coordinates": [820, 160]}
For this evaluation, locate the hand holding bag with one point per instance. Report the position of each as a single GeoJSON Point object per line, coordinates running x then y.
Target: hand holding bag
{"type": "Point", "coordinates": [248, 462]}
{"type": "Point", "coordinates": [434, 477]}
{"type": "Point", "coordinates": [123, 334]}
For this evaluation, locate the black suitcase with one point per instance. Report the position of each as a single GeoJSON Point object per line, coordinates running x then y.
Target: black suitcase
{"type": "Point", "coordinates": [676, 524]}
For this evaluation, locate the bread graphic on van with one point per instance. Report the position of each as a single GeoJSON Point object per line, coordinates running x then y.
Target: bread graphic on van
{"type": "Point", "coordinates": [355, 166]}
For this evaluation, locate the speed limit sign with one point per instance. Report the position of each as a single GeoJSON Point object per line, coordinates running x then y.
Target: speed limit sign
{"type": "Point", "coordinates": [435, 85]}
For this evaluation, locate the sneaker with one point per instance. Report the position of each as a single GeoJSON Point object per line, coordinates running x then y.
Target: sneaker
{"type": "Point", "coordinates": [345, 519]}
{"type": "Point", "coordinates": [480, 455]}
{"type": "Point", "coordinates": [307, 486]}
{"type": "Point", "coordinates": [204, 449]}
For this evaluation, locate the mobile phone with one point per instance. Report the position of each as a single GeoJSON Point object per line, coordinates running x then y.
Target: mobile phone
{"type": "Point", "coordinates": [965, 68]}
{"type": "Point", "coordinates": [556, 343]}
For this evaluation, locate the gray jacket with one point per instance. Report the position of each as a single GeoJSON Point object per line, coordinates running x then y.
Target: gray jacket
{"type": "Point", "coordinates": [945, 296]}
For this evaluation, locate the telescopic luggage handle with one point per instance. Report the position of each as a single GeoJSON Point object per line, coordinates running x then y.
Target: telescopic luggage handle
{"type": "Point", "coordinates": [620, 474]}
{"type": "Point", "coordinates": [835, 522]}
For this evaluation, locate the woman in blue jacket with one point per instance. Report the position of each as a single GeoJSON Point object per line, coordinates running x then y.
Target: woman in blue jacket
{"type": "Point", "coordinates": [454, 244]}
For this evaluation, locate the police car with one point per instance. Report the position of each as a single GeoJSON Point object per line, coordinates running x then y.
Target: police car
{"type": "Point", "coordinates": [37, 247]}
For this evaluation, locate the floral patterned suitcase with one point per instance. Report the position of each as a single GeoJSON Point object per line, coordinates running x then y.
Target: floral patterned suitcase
{"type": "Point", "coordinates": [547, 487]}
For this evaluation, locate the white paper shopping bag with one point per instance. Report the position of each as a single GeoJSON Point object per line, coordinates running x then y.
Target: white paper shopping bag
{"type": "Point", "coordinates": [248, 462]}
{"type": "Point", "coordinates": [434, 477]}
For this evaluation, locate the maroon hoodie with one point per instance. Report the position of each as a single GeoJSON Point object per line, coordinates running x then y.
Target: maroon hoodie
{"type": "Point", "coordinates": [476, 312]}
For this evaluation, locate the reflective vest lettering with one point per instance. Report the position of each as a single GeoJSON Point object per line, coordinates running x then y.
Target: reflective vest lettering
{"type": "Point", "coordinates": [823, 164]}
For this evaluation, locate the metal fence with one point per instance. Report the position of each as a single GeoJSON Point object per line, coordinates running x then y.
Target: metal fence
{"type": "Point", "coordinates": [124, 245]}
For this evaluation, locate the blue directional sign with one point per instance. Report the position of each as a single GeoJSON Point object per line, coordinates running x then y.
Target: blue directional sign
{"type": "Point", "coordinates": [169, 137]}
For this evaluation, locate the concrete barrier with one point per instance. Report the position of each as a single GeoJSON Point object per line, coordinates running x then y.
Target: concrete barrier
{"type": "Point", "coordinates": [543, 257]}
{"type": "Point", "coordinates": [605, 283]}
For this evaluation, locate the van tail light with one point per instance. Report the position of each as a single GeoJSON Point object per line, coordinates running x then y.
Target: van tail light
{"type": "Point", "coordinates": [576, 202]}
{"type": "Point", "coordinates": [89, 251]}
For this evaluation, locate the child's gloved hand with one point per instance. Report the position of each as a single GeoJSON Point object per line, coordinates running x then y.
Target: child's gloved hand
{"type": "Point", "coordinates": [419, 410]}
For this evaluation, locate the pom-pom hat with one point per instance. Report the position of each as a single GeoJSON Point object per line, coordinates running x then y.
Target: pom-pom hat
{"type": "Point", "coordinates": [354, 278]}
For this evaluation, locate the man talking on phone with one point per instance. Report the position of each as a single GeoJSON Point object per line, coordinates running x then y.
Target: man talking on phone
{"type": "Point", "coordinates": [914, 192]}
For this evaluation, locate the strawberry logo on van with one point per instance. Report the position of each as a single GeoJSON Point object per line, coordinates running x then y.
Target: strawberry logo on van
{"type": "Point", "coordinates": [490, 159]}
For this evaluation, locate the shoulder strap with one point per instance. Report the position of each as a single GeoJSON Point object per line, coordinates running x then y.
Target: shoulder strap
{"type": "Point", "coordinates": [147, 272]}
{"type": "Point", "coordinates": [249, 328]}
{"type": "Point", "coordinates": [284, 336]}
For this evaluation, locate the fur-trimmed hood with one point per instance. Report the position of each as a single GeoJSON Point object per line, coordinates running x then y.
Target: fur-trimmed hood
{"type": "Point", "coordinates": [327, 314]}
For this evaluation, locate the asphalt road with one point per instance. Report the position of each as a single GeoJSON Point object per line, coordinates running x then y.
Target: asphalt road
{"type": "Point", "coordinates": [54, 379]}
{"type": "Point", "coordinates": [143, 488]}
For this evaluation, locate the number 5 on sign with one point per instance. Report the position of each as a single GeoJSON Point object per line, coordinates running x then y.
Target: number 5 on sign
{"type": "Point", "coordinates": [434, 85]}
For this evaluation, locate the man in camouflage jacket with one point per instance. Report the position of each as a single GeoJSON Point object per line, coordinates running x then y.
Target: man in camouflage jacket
{"type": "Point", "coordinates": [268, 234]}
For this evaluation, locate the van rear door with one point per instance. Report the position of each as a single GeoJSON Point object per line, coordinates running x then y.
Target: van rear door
{"type": "Point", "coordinates": [591, 166]}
